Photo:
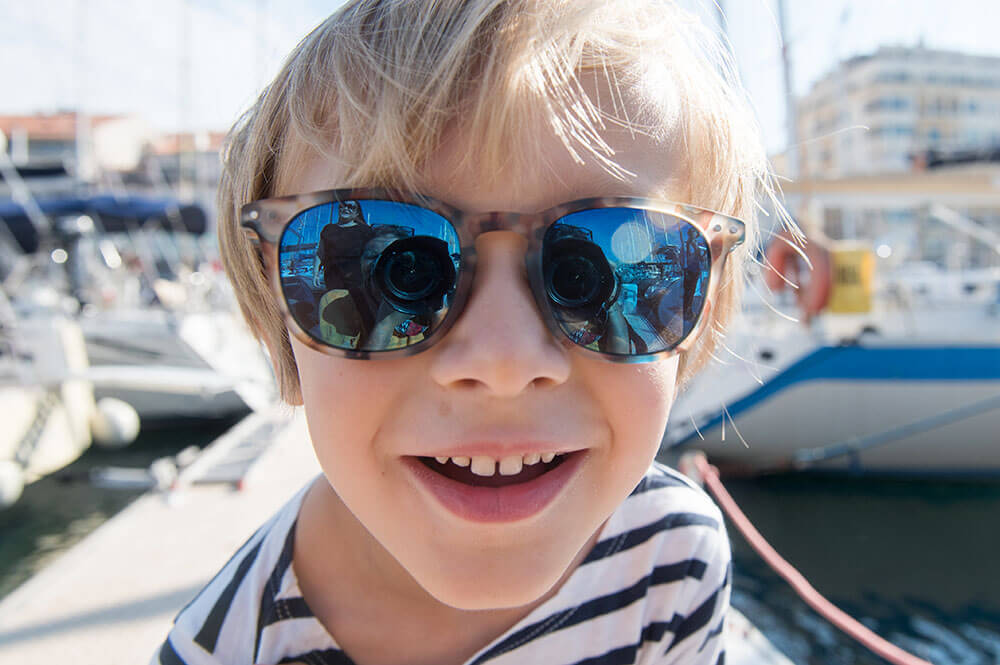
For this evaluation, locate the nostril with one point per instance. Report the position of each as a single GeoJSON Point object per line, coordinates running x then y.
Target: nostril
{"type": "Point", "coordinates": [543, 382]}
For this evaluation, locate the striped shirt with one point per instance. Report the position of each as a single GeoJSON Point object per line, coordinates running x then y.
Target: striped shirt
{"type": "Point", "coordinates": [654, 589]}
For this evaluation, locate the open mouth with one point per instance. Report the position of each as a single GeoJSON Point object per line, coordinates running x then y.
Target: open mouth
{"type": "Point", "coordinates": [488, 472]}
{"type": "Point", "coordinates": [488, 490]}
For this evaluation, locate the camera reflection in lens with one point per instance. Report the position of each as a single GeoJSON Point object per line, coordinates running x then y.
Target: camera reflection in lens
{"type": "Point", "coordinates": [573, 281]}
{"type": "Point", "coordinates": [411, 276]}
{"type": "Point", "coordinates": [578, 278]}
{"type": "Point", "coordinates": [415, 274]}
{"type": "Point", "coordinates": [370, 275]}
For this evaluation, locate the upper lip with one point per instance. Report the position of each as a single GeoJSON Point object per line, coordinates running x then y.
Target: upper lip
{"type": "Point", "coordinates": [500, 449]}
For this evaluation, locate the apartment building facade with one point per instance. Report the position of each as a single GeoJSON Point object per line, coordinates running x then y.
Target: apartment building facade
{"type": "Point", "coordinates": [882, 112]}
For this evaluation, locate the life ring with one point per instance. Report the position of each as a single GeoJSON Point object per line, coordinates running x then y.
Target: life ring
{"type": "Point", "coordinates": [785, 264]}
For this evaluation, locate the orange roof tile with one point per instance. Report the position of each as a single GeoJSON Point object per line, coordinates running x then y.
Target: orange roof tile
{"type": "Point", "coordinates": [48, 126]}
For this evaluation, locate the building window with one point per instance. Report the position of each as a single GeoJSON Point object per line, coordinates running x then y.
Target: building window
{"type": "Point", "coordinates": [889, 104]}
{"type": "Point", "coordinates": [892, 77]}
{"type": "Point", "coordinates": [49, 150]}
{"type": "Point", "coordinates": [891, 131]}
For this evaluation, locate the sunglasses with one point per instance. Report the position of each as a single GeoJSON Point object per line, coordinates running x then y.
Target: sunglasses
{"type": "Point", "coordinates": [365, 273]}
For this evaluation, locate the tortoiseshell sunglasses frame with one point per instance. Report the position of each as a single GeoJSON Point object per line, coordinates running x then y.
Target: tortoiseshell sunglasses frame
{"type": "Point", "coordinates": [265, 220]}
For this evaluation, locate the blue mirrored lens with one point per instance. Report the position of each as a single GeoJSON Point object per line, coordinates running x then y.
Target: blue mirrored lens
{"type": "Point", "coordinates": [625, 281]}
{"type": "Point", "coordinates": [369, 275]}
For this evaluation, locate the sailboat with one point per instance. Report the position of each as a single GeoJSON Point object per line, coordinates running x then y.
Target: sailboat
{"type": "Point", "coordinates": [910, 385]}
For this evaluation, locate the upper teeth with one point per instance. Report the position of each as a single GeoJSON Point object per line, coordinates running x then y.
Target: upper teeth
{"type": "Point", "coordinates": [509, 466]}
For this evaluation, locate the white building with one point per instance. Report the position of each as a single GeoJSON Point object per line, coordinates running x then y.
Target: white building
{"type": "Point", "coordinates": [115, 142]}
{"type": "Point", "coordinates": [58, 152]}
{"type": "Point", "coordinates": [877, 113]}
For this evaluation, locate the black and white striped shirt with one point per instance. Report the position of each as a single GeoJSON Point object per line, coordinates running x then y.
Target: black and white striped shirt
{"type": "Point", "coordinates": [654, 589]}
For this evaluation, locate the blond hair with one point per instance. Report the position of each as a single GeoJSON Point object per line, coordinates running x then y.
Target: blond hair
{"type": "Point", "coordinates": [379, 83]}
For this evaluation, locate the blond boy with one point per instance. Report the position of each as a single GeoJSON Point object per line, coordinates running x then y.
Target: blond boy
{"type": "Point", "coordinates": [489, 348]}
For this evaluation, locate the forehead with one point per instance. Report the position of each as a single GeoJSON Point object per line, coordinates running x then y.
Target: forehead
{"type": "Point", "coordinates": [553, 176]}
{"type": "Point", "coordinates": [539, 168]}
{"type": "Point", "coordinates": [548, 173]}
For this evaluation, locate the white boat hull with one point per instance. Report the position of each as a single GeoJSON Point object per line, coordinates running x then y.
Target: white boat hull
{"type": "Point", "coordinates": [887, 426]}
{"type": "Point", "coordinates": [173, 367]}
{"type": "Point", "coordinates": [40, 431]}
{"type": "Point", "coordinates": [46, 403]}
{"type": "Point", "coordinates": [911, 387]}
{"type": "Point", "coordinates": [159, 404]}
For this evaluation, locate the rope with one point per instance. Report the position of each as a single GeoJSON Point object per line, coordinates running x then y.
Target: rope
{"type": "Point", "coordinates": [44, 406]}
{"type": "Point", "coordinates": [877, 645]}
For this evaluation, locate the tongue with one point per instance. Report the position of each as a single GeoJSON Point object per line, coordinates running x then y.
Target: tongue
{"type": "Point", "coordinates": [464, 475]}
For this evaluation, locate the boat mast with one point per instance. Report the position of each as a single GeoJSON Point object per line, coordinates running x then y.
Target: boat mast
{"type": "Point", "coordinates": [791, 113]}
{"type": "Point", "coordinates": [84, 167]}
{"type": "Point", "coordinates": [185, 130]}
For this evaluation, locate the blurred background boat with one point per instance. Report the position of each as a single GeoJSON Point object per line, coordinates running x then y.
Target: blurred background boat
{"type": "Point", "coordinates": [889, 347]}
{"type": "Point", "coordinates": [874, 392]}
{"type": "Point", "coordinates": [119, 295]}
{"type": "Point", "coordinates": [887, 358]}
{"type": "Point", "coordinates": [51, 415]}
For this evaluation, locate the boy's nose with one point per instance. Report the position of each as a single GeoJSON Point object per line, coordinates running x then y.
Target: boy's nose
{"type": "Point", "coordinates": [499, 342]}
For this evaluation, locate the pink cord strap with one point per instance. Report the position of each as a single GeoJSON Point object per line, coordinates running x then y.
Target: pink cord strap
{"type": "Point", "coordinates": [879, 646]}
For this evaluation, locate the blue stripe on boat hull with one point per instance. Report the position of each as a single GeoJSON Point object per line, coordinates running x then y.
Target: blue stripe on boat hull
{"type": "Point", "coordinates": [862, 363]}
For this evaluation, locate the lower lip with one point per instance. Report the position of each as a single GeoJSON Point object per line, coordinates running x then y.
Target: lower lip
{"type": "Point", "coordinates": [496, 504]}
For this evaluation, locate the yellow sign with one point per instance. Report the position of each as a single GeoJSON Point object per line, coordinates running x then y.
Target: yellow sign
{"type": "Point", "coordinates": [853, 276]}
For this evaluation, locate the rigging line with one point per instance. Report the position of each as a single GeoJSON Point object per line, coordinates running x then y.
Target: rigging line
{"type": "Point", "coordinates": [835, 132]}
{"type": "Point", "coordinates": [695, 425]}
{"type": "Point", "coordinates": [804, 458]}
{"type": "Point", "coordinates": [735, 429]}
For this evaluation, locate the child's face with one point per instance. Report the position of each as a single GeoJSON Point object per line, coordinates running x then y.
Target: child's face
{"type": "Point", "coordinates": [498, 385]}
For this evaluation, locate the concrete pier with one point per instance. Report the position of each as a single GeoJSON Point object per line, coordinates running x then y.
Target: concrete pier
{"type": "Point", "coordinates": [112, 598]}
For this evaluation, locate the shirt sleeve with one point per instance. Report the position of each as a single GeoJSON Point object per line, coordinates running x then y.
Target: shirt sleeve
{"type": "Point", "coordinates": [177, 649]}
{"type": "Point", "coordinates": [697, 638]}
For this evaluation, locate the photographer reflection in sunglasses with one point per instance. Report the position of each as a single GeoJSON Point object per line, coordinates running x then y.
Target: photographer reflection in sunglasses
{"type": "Point", "coordinates": [344, 309]}
{"type": "Point", "coordinates": [485, 242]}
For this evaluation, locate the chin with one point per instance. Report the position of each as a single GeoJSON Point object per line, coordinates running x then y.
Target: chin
{"type": "Point", "coordinates": [481, 594]}
{"type": "Point", "coordinates": [506, 569]}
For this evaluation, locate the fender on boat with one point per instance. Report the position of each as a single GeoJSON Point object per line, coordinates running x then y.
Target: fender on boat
{"type": "Point", "coordinates": [787, 263]}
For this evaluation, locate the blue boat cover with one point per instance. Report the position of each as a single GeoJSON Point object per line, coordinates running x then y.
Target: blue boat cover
{"type": "Point", "coordinates": [110, 214]}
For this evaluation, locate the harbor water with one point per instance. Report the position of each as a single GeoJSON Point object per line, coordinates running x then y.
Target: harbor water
{"type": "Point", "coordinates": [914, 560]}
{"type": "Point", "coordinates": [59, 510]}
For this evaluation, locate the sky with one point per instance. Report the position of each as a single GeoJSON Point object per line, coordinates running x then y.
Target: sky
{"type": "Point", "coordinates": [196, 64]}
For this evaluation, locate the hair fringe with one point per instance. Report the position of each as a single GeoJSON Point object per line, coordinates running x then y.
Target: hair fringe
{"type": "Point", "coordinates": [379, 84]}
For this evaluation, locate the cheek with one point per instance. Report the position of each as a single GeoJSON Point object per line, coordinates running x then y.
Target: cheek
{"type": "Point", "coordinates": [345, 403]}
{"type": "Point", "coordinates": [637, 402]}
